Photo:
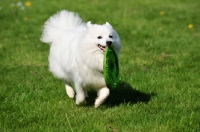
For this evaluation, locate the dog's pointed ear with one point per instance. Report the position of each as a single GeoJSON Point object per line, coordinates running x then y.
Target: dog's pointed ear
{"type": "Point", "coordinates": [108, 24]}
{"type": "Point", "coordinates": [89, 24]}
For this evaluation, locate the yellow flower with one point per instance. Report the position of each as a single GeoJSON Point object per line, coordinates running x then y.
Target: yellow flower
{"type": "Point", "coordinates": [190, 26]}
{"type": "Point", "coordinates": [27, 3]}
{"type": "Point", "coordinates": [162, 13]}
{"type": "Point", "coordinates": [12, 5]}
{"type": "Point", "coordinates": [25, 18]}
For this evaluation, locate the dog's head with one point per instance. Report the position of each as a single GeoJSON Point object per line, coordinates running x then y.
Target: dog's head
{"type": "Point", "coordinates": [102, 36]}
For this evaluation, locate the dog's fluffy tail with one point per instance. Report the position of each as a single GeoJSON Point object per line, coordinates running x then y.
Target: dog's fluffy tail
{"type": "Point", "coordinates": [60, 23]}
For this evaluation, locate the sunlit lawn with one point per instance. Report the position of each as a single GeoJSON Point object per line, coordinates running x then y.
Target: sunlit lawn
{"type": "Point", "coordinates": [159, 68]}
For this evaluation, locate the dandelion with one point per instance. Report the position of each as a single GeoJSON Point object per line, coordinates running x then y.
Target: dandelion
{"type": "Point", "coordinates": [22, 8]}
{"type": "Point", "coordinates": [25, 18]}
{"type": "Point", "coordinates": [162, 13]}
{"type": "Point", "coordinates": [19, 3]}
{"type": "Point", "coordinates": [12, 5]}
{"type": "Point", "coordinates": [27, 3]}
{"type": "Point", "coordinates": [190, 26]}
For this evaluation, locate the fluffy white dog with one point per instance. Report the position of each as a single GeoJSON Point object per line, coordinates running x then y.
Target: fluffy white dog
{"type": "Point", "coordinates": [77, 51]}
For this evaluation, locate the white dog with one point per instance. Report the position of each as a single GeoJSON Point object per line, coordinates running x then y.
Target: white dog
{"type": "Point", "coordinates": [77, 51]}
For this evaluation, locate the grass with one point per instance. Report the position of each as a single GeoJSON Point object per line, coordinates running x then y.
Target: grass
{"type": "Point", "coordinates": [159, 68]}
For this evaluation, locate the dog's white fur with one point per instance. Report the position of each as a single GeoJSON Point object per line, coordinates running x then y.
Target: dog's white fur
{"type": "Point", "coordinates": [75, 56]}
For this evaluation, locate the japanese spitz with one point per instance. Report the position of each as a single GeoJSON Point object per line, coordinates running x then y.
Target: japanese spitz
{"type": "Point", "coordinates": [77, 51]}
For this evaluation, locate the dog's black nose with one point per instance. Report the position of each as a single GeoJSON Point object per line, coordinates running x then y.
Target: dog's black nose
{"type": "Point", "coordinates": [109, 43]}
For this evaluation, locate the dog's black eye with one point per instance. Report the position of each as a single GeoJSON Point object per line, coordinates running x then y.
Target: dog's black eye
{"type": "Point", "coordinates": [110, 36]}
{"type": "Point", "coordinates": [99, 37]}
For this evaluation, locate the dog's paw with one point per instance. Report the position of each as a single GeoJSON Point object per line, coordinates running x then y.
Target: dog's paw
{"type": "Point", "coordinates": [80, 100]}
{"type": "Point", "coordinates": [102, 95]}
{"type": "Point", "coordinates": [98, 102]}
{"type": "Point", "coordinates": [70, 93]}
{"type": "Point", "coordinates": [69, 90]}
{"type": "Point", "coordinates": [81, 103]}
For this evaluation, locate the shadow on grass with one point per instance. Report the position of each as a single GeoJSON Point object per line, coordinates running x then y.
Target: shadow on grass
{"type": "Point", "coordinates": [122, 94]}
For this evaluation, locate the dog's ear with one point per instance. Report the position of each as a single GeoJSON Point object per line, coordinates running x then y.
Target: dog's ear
{"type": "Point", "coordinates": [89, 24]}
{"type": "Point", "coordinates": [108, 24]}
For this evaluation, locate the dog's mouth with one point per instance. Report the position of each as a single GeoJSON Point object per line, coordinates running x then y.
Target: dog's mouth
{"type": "Point", "coordinates": [102, 47]}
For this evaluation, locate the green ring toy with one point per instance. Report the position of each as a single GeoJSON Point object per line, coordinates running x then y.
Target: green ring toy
{"type": "Point", "coordinates": [110, 67]}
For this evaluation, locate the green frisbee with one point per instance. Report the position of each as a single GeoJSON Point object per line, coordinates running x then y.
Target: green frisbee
{"type": "Point", "coordinates": [110, 67]}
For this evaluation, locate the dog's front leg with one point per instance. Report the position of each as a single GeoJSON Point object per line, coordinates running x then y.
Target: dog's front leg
{"type": "Point", "coordinates": [80, 94]}
{"type": "Point", "coordinates": [103, 93]}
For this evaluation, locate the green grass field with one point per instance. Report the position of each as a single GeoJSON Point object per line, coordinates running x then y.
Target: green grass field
{"type": "Point", "coordinates": [159, 88]}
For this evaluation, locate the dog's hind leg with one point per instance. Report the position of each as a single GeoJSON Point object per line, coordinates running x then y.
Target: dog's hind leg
{"type": "Point", "coordinates": [103, 93]}
{"type": "Point", "coordinates": [69, 90]}
{"type": "Point", "coordinates": [86, 93]}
